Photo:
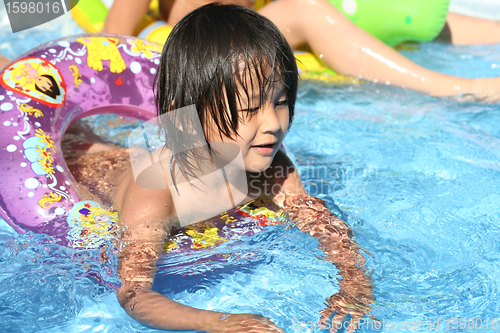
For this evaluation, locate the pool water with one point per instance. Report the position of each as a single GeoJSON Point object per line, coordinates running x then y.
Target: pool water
{"type": "Point", "coordinates": [417, 178]}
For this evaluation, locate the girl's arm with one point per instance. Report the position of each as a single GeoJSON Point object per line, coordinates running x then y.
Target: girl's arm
{"type": "Point", "coordinates": [313, 217]}
{"type": "Point", "coordinates": [144, 217]}
{"type": "Point", "coordinates": [351, 51]}
{"type": "Point", "coordinates": [124, 16]}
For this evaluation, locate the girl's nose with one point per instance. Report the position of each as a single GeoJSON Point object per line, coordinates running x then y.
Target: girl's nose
{"type": "Point", "coordinates": [270, 120]}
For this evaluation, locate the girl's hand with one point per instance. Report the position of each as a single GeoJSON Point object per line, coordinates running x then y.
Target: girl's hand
{"type": "Point", "coordinates": [355, 298]}
{"type": "Point", "coordinates": [238, 323]}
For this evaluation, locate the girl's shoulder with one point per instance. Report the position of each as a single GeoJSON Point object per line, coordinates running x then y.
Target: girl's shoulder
{"type": "Point", "coordinates": [141, 192]}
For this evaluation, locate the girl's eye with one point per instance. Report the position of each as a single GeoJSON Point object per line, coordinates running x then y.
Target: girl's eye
{"type": "Point", "coordinates": [252, 110]}
{"type": "Point", "coordinates": [282, 103]}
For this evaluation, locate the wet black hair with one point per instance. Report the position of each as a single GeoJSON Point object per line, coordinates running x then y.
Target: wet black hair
{"type": "Point", "coordinates": [212, 50]}
{"type": "Point", "coordinates": [54, 91]}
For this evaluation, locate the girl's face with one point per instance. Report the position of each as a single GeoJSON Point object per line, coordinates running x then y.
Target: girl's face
{"type": "Point", "coordinates": [43, 83]}
{"type": "Point", "coordinates": [262, 127]}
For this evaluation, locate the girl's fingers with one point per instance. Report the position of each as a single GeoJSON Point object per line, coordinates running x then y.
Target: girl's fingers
{"type": "Point", "coordinates": [353, 324]}
{"type": "Point", "coordinates": [337, 321]}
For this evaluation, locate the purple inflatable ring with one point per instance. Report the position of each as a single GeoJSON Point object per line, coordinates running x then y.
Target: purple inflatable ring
{"type": "Point", "coordinates": [47, 89]}
{"type": "Point", "coordinates": [41, 94]}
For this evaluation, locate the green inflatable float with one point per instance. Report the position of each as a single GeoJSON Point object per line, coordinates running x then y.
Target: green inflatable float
{"type": "Point", "coordinates": [396, 21]}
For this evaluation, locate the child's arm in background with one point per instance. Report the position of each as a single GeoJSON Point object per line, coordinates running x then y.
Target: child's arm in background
{"type": "Point", "coordinates": [350, 50]}
{"type": "Point", "coordinates": [125, 15]}
{"type": "Point", "coordinates": [311, 215]}
{"type": "Point", "coordinates": [144, 217]}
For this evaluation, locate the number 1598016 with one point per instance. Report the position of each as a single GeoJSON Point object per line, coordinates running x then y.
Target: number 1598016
{"type": "Point", "coordinates": [33, 7]}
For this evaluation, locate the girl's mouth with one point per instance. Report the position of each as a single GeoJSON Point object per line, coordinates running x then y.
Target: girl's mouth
{"type": "Point", "coordinates": [265, 149]}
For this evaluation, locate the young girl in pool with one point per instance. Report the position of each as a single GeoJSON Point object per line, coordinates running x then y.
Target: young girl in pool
{"type": "Point", "coordinates": [238, 70]}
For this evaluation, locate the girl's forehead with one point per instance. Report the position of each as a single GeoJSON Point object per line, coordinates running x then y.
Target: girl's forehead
{"type": "Point", "coordinates": [258, 79]}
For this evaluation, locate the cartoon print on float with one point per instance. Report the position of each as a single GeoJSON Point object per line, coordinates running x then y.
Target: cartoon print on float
{"type": "Point", "coordinates": [92, 224]}
{"type": "Point", "coordinates": [37, 79]}
{"type": "Point", "coordinates": [101, 49]}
